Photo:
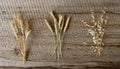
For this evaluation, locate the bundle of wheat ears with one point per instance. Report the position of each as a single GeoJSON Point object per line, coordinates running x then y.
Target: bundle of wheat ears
{"type": "Point", "coordinates": [21, 31]}
{"type": "Point", "coordinates": [96, 30]}
{"type": "Point", "coordinates": [59, 29]}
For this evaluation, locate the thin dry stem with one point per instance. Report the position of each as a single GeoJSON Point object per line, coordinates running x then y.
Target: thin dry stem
{"type": "Point", "coordinates": [67, 22]}
{"type": "Point", "coordinates": [48, 24]}
{"type": "Point", "coordinates": [55, 22]}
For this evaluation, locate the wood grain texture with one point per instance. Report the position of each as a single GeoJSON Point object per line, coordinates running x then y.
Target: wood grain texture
{"type": "Point", "coordinates": [40, 42]}
{"type": "Point", "coordinates": [80, 67]}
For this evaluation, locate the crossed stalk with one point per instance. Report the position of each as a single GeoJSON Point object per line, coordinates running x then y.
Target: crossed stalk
{"type": "Point", "coordinates": [59, 29]}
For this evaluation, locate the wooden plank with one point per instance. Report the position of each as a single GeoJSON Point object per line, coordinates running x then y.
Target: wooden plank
{"type": "Point", "coordinates": [40, 42]}
{"type": "Point", "coordinates": [87, 65]}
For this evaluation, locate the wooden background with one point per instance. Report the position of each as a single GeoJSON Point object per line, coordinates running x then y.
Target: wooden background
{"type": "Point", "coordinates": [40, 41]}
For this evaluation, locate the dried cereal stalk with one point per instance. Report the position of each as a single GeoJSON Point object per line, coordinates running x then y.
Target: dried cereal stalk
{"type": "Point", "coordinates": [97, 32]}
{"type": "Point", "coordinates": [21, 31]}
{"type": "Point", "coordinates": [60, 27]}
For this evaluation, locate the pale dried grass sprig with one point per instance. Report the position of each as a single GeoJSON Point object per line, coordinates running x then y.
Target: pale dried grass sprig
{"type": "Point", "coordinates": [60, 27]}
{"type": "Point", "coordinates": [21, 30]}
{"type": "Point", "coordinates": [97, 32]}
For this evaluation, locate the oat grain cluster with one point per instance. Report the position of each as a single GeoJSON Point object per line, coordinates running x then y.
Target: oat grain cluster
{"type": "Point", "coordinates": [96, 30]}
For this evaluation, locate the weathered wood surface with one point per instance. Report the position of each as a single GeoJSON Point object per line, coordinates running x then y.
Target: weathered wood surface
{"type": "Point", "coordinates": [40, 43]}
{"type": "Point", "coordinates": [70, 67]}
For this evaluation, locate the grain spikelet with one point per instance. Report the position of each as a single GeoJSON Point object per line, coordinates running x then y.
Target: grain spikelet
{"type": "Point", "coordinates": [21, 31]}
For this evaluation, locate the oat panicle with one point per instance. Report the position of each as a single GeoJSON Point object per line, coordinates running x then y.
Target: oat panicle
{"type": "Point", "coordinates": [97, 32]}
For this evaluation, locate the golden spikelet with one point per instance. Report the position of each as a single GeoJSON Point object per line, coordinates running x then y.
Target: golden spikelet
{"type": "Point", "coordinates": [21, 31]}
